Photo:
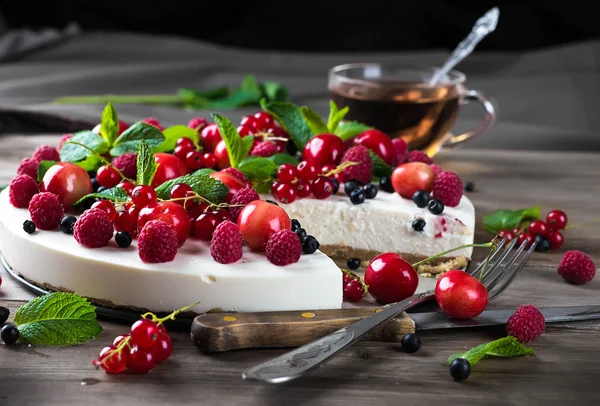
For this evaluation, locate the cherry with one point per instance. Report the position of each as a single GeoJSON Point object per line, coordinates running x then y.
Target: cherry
{"type": "Point", "coordinates": [181, 152]}
{"type": "Point", "coordinates": [258, 220]}
{"type": "Point", "coordinates": [107, 207]}
{"type": "Point", "coordinates": [193, 211]}
{"type": "Point", "coordinates": [162, 328]}
{"type": "Point", "coordinates": [251, 122]}
{"type": "Point", "coordinates": [354, 291]}
{"type": "Point", "coordinates": [185, 142]}
{"type": "Point", "coordinates": [68, 181]}
{"type": "Point", "coordinates": [222, 213]}
{"type": "Point", "coordinates": [556, 220]}
{"type": "Point", "coordinates": [141, 360]}
{"type": "Point", "coordinates": [210, 136]}
{"type": "Point", "coordinates": [169, 167]}
{"type": "Point", "coordinates": [209, 160]}
{"type": "Point", "coordinates": [221, 156]}
{"type": "Point", "coordinates": [127, 187]}
{"type": "Point", "coordinates": [538, 227]}
{"type": "Point", "coordinates": [506, 234]}
{"type": "Point", "coordinates": [285, 192]}
{"type": "Point", "coordinates": [181, 190]}
{"type": "Point", "coordinates": [134, 215]}
{"type": "Point", "coordinates": [233, 183]}
{"type": "Point", "coordinates": [322, 187]}
{"type": "Point", "coordinates": [119, 339]}
{"type": "Point", "coordinates": [144, 333]}
{"type": "Point", "coordinates": [516, 231]}
{"type": "Point", "coordinates": [556, 239]}
{"type": "Point", "coordinates": [163, 347]}
{"type": "Point", "coordinates": [287, 173]}
{"type": "Point", "coordinates": [143, 196]}
{"type": "Point", "coordinates": [328, 168]}
{"type": "Point", "coordinates": [153, 122]}
{"type": "Point", "coordinates": [264, 119]}
{"type": "Point", "coordinates": [390, 278]}
{"type": "Point", "coordinates": [197, 123]}
{"type": "Point", "coordinates": [324, 149]}
{"type": "Point", "coordinates": [111, 361]}
{"type": "Point", "coordinates": [309, 170]}
{"type": "Point", "coordinates": [525, 236]}
{"type": "Point", "coordinates": [303, 188]}
{"type": "Point", "coordinates": [378, 142]}
{"type": "Point", "coordinates": [411, 177]}
{"type": "Point", "coordinates": [193, 160]}
{"type": "Point", "coordinates": [108, 176]}
{"type": "Point", "coordinates": [122, 223]}
{"type": "Point", "coordinates": [205, 225]}
{"type": "Point", "coordinates": [244, 130]}
{"type": "Point", "coordinates": [460, 295]}
{"type": "Point", "coordinates": [169, 212]}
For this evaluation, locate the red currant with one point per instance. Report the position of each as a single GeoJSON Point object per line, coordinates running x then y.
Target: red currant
{"type": "Point", "coordinates": [506, 234]}
{"type": "Point", "coordinates": [181, 190]}
{"type": "Point", "coordinates": [525, 236]}
{"type": "Point", "coordinates": [143, 196]}
{"type": "Point", "coordinates": [193, 160]}
{"type": "Point", "coordinates": [322, 187]}
{"type": "Point", "coordinates": [556, 220]}
{"type": "Point", "coordinates": [222, 213]}
{"type": "Point", "coordinates": [108, 176]}
{"type": "Point", "coordinates": [107, 207]}
{"type": "Point", "coordinates": [245, 130]}
{"type": "Point", "coordinates": [210, 136]}
{"type": "Point", "coordinates": [111, 361]}
{"type": "Point", "coordinates": [309, 170]}
{"type": "Point", "coordinates": [134, 215]}
{"type": "Point", "coordinates": [162, 328]}
{"type": "Point", "coordinates": [354, 291]}
{"type": "Point", "coordinates": [181, 151]}
{"type": "Point", "coordinates": [163, 347]}
{"type": "Point", "coordinates": [328, 168]}
{"type": "Point", "coordinates": [556, 239]}
{"type": "Point", "coordinates": [172, 214]}
{"type": "Point", "coordinates": [250, 122]}
{"type": "Point", "coordinates": [122, 222]}
{"type": "Point", "coordinates": [324, 149]}
{"type": "Point", "coordinates": [144, 333]}
{"type": "Point", "coordinates": [516, 231]}
{"type": "Point", "coordinates": [185, 142]}
{"type": "Point", "coordinates": [141, 360]}
{"type": "Point", "coordinates": [265, 120]}
{"type": "Point", "coordinates": [286, 173]}
{"type": "Point", "coordinates": [538, 227]}
{"type": "Point", "coordinates": [119, 339]}
{"type": "Point", "coordinates": [285, 192]}
{"type": "Point", "coordinates": [221, 155]}
{"type": "Point", "coordinates": [205, 225]}
{"type": "Point", "coordinates": [209, 160]}
{"type": "Point", "coordinates": [127, 186]}
{"type": "Point", "coordinates": [378, 142]}
{"type": "Point", "coordinates": [303, 188]}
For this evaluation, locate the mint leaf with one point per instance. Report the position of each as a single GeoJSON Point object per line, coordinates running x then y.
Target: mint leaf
{"type": "Point", "coordinates": [258, 169]}
{"type": "Point", "coordinates": [237, 147]}
{"type": "Point", "coordinates": [504, 219]}
{"type": "Point", "coordinates": [282, 158]}
{"type": "Point", "coordinates": [289, 116]}
{"type": "Point", "coordinates": [43, 168]}
{"type": "Point", "coordinates": [91, 163]}
{"type": "Point", "coordinates": [380, 168]}
{"type": "Point", "coordinates": [172, 134]}
{"type": "Point", "coordinates": [273, 91]}
{"type": "Point", "coordinates": [129, 141]}
{"type": "Point", "coordinates": [81, 145]}
{"type": "Point", "coordinates": [314, 121]}
{"type": "Point", "coordinates": [209, 188]}
{"type": "Point", "coordinates": [114, 194]}
{"type": "Point", "coordinates": [2, 187]}
{"type": "Point", "coordinates": [347, 130]}
{"type": "Point", "coordinates": [503, 347]}
{"type": "Point", "coordinates": [109, 126]}
{"type": "Point", "coordinates": [237, 99]}
{"type": "Point", "coordinates": [215, 93]}
{"type": "Point", "coordinates": [146, 165]}
{"type": "Point", "coordinates": [58, 318]}
{"type": "Point", "coordinates": [251, 86]}
{"type": "Point", "coordinates": [335, 116]}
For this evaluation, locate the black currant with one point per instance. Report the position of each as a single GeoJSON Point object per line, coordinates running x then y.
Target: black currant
{"type": "Point", "coordinates": [123, 239]}
{"type": "Point", "coordinates": [357, 196]}
{"type": "Point", "coordinates": [67, 223]}
{"type": "Point", "coordinates": [310, 245]}
{"type": "Point", "coordinates": [543, 245]}
{"type": "Point", "coordinates": [354, 263]}
{"type": "Point", "coordinates": [29, 226]}
{"type": "Point", "coordinates": [9, 334]}
{"type": "Point", "coordinates": [350, 186]}
{"type": "Point", "coordinates": [296, 225]}
{"type": "Point", "coordinates": [95, 185]}
{"type": "Point", "coordinates": [411, 342]}
{"type": "Point", "coordinates": [301, 233]}
{"type": "Point", "coordinates": [435, 207]}
{"type": "Point", "coordinates": [101, 189]}
{"type": "Point", "coordinates": [336, 185]}
{"type": "Point", "coordinates": [469, 186]}
{"type": "Point", "coordinates": [385, 184]}
{"type": "Point", "coordinates": [418, 225]}
{"type": "Point", "coordinates": [272, 202]}
{"type": "Point", "coordinates": [4, 313]}
{"type": "Point", "coordinates": [370, 191]}
{"type": "Point", "coordinates": [421, 198]}
{"type": "Point", "coordinates": [460, 369]}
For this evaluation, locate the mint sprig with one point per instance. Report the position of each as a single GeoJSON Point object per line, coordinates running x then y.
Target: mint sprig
{"type": "Point", "coordinates": [115, 194]}
{"type": "Point", "coordinates": [380, 167]}
{"type": "Point", "coordinates": [109, 126]}
{"type": "Point", "coordinates": [314, 121]}
{"type": "Point", "coordinates": [172, 134]}
{"type": "Point", "coordinates": [43, 168]}
{"type": "Point", "coordinates": [130, 140]}
{"type": "Point", "coordinates": [347, 130]}
{"type": "Point", "coordinates": [210, 188]}
{"type": "Point", "coordinates": [504, 219]}
{"type": "Point", "coordinates": [289, 116]}
{"type": "Point", "coordinates": [335, 116]}
{"type": "Point", "coordinates": [503, 347]}
{"type": "Point", "coordinates": [146, 165]}
{"type": "Point", "coordinates": [237, 147]}
{"type": "Point", "coordinates": [57, 319]}
{"type": "Point", "coordinates": [283, 158]}
{"type": "Point", "coordinates": [258, 169]}
{"type": "Point", "coordinates": [81, 145]}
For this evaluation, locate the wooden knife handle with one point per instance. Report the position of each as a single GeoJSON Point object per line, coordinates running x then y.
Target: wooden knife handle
{"type": "Point", "coordinates": [217, 332]}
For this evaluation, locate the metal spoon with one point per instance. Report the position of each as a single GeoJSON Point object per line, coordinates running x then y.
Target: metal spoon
{"type": "Point", "coordinates": [483, 26]}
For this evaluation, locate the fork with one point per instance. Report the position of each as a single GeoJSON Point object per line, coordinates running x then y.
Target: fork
{"type": "Point", "coordinates": [496, 274]}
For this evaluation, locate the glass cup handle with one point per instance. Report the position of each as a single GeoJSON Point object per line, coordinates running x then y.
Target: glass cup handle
{"type": "Point", "coordinates": [489, 104]}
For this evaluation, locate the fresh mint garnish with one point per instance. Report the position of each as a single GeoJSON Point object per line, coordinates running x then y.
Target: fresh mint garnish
{"type": "Point", "coordinates": [211, 189]}
{"type": "Point", "coordinates": [503, 347]}
{"type": "Point", "coordinates": [129, 141]}
{"type": "Point", "coordinates": [289, 116]}
{"type": "Point", "coordinates": [282, 158]}
{"type": "Point", "coordinates": [172, 134]}
{"type": "Point", "coordinates": [109, 126]}
{"type": "Point", "coordinates": [314, 121]}
{"type": "Point", "coordinates": [57, 319]}
{"type": "Point", "coordinates": [115, 194]}
{"type": "Point", "coordinates": [347, 130]}
{"type": "Point", "coordinates": [508, 219]}
{"type": "Point", "coordinates": [251, 86]}
{"type": "Point", "coordinates": [258, 169]}
{"type": "Point", "coordinates": [81, 145]}
{"type": "Point", "coordinates": [273, 91]}
{"type": "Point", "coordinates": [335, 116]}
{"type": "Point", "coordinates": [43, 168]}
{"type": "Point", "coordinates": [380, 168]}
{"type": "Point", "coordinates": [146, 165]}
{"type": "Point", "coordinates": [237, 147]}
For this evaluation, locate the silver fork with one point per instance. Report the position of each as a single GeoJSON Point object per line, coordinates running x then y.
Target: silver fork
{"type": "Point", "coordinates": [498, 273]}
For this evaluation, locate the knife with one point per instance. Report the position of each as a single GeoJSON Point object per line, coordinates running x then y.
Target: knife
{"type": "Point", "coordinates": [218, 332]}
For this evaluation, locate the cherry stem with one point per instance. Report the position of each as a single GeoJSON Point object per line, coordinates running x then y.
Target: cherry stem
{"type": "Point", "coordinates": [124, 343]}
{"type": "Point", "coordinates": [340, 168]}
{"type": "Point", "coordinates": [104, 160]}
{"type": "Point", "coordinates": [171, 316]}
{"type": "Point", "coordinates": [484, 245]}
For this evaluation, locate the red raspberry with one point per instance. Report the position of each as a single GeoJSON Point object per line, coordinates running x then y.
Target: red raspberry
{"type": "Point", "coordinates": [153, 121]}
{"type": "Point", "coordinates": [28, 166]}
{"type": "Point", "coordinates": [448, 188]}
{"type": "Point", "coordinates": [576, 268]}
{"type": "Point", "coordinates": [363, 172]}
{"type": "Point", "coordinates": [46, 153]}
{"type": "Point", "coordinates": [400, 151]}
{"type": "Point", "coordinates": [264, 149]}
{"type": "Point", "coordinates": [93, 229]}
{"type": "Point", "coordinates": [21, 189]}
{"type": "Point", "coordinates": [46, 211]}
{"type": "Point", "coordinates": [126, 163]}
{"type": "Point", "coordinates": [226, 243]}
{"type": "Point", "coordinates": [157, 242]}
{"type": "Point", "coordinates": [526, 324]}
{"type": "Point", "coordinates": [419, 156]}
{"type": "Point", "coordinates": [284, 248]}
{"type": "Point", "coordinates": [243, 196]}
{"type": "Point", "coordinates": [197, 123]}
{"type": "Point", "coordinates": [64, 139]}
{"type": "Point", "coordinates": [236, 173]}
{"type": "Point", "coordinates": [436, 169]}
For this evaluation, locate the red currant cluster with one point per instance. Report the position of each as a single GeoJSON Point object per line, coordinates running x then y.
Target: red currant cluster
{"type": "Point", "coordinates": [308, 178]}
{"type": "Point", "coordinates": [269, 137]}
{"type": "Point", "coordinates": [550, 237]}
{"type": "Point", "coordinates": [354, 288]}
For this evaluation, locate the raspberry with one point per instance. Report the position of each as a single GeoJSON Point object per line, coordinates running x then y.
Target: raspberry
{"type": "Point", "coordinates": [363, 172]}
{"type": "Point", "coordinates": [22, 189]}
{"type": "Point", "coordinates": [93, 229]}
{"type": "Point", "coordinates": [152, 121]}
{"type": "Point", "coordinates": [236, 173]}
{"type": "Point", "coordinates": [264, 149]}
{"type": "Point", "coordinates": [29, 166]}
{"type": "Point", "coordinates": [46, 153]}
{"type": "Point", "coordinates": [419, 156]}
{"type": "Point", "coordinates": [400, 151]}
{"type": "Point", "coordinates": [436, 169]}
{"type": "Point", "coordinates": [243, 197]}
{"type": "Point", "coordinates": [197, 123]}
{"type": "Point", "coordinates": [46, 211]}
{"type": "Point", "coordinates": [526, 324]}
{"type": "Point", "coordinates": [284, 248]}
{"type": "Point", "coordinates": [64, 139]}
{"type": "Point", "coordinates": [576, 268]}
{"type": "Point", "coordinates": [126, 163]}
{"type": "Point", "coordinates": [448, 188]}
{"type": "Point", "coordinates": [157, 242]}
{"type": "Point", "coordinates": [226, 243]}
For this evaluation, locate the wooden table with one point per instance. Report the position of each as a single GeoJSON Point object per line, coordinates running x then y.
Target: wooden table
{"type": "Point", "coordinates": [564, 370]}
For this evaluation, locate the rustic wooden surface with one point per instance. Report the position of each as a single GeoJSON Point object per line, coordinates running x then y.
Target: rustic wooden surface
{"type": "Point", "coordinates": [563, 371]}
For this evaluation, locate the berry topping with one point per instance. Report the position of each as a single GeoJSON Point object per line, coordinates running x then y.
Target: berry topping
{"type": "Point", "coordinates": [385, 184]}
{"type": "Point", "coordinates": [354, 290]}
{"type": "Point", "coordinates": [193, 160]}
{"type": "Point", "coordinates": [336, 185]}
{"type": "Point", "coordinates": [390, 278]}
{"type": "Point", "coordinates": [46, 153]}
{"type": "Point", "coordinates": [29, 167]}
{"type": "Point", "coordinates": [556, 240]}
{"type": "Point", "coordinates": [435, 207]}
{"type": "Point", "coordinates": [410, 343]}
{"type": "Point", "coordinates": [127, 164]}
{"type": "Point", "coordinates": [460, 295]}
{"type": "Point", "coordinates": [283, 248]}
{"type": "Point", "coordinates": [508, 234]}
{"type": "Point", "coordinates": [576, 268]}
{"type": "Point", "coordinates": [525, 237]}
{"type": "Point", "coordinates": [469, 186]}
{"type": "Point", "coordinates": [418, 225]}
{"type": "Point", "coordinates": [460, 369]}
{"type": "Point", "coordinates": [221, 155]}
{"type": "Point", "coordinates": [240, 200]}
{"type": "Point", "coordinates": [111, 361]}
{"type": "Point", "coordinates": [258, 220]}
{"type": "Point", "coordinates": [157, 242]}
{"type": "Point", "coordinates": [538, 227]}
{"type": "Point", "coordinates": [286, 173]}
{"type": "Point", "coordinates": [29, 226]}
{"type": "Point", "coordinates": [46, 211]}
{"type": "Point", "coordinates": [236, 173]}
{"type": "Point", "coordinates": [419, 156]}
{"type": "Point", "coordinates": [357, 196]}
{"type": "Point", "coordinates": [324, 149]}
{"type": "Point", "coordinates": [526, 324]}
{"type": "Point", "coordinates": [378, 142]}
{"type": "Point", "coordinates": [4, 313]}
{"type": "Point", "coordinates": [264, 149]}
{"type": "Point", "coordinates": [353, 263]}
{"type": "Point", "coordinates": [9, 334]}
{"type": "Point", "coordinates": [436, 169]}
{"type": "Point", "coordinates": [370, 191]}
{"type": "Point", "coordinates": [169, 167]}
{"type": "Point", "coordinates": [107, 207]}
{"type": "Point", "coordinates": [210, 136]}
{"type": "Point", "coordinates": [93, 229]}
{"type": "Point", "coordinates": [126, 186]}
{"type": "Point", "coordinates": [310, 245]}
{"type": "Point", "coordinates": [399, 151]}
{"type": "Point", "coordinates": [186, 143]}
{"type": "Point", "coordinates": [322, 187]}
{"type": "Point", "coordinates": [108, 176]}
{"type": "Point", "coordinates": [143, 196]}
{"type": "Point", "coordinates": [309, 170]}
{"type": "Point", "coordinates": [68, 181]}
{"type": "Point", "coordinates": [421, 198]}
{"type": "Point", "coordinates": [209, 160]}
{"type": "Point", "coordinates": [205, 225]}
{"type": "Point", "coordinates": [264, 119]}
{"type": "Point", "coordinates": [123, 239]}
{"type": "Point", "coordinates": [233, 183]}
{"type": "Point", "coordinates": [362, 172]}
{"type": "Point", "coordinates": [350, 186]}
{"type": "Point", "coordinates": [21, 189]}
{"type": "Point", "coordinates": [63, 139]}
{"type": "Point", "coordinates": [197, 123]}
{"type": "Point", "coordinates": [556, 220]}
{"type": "Point", "coordinates": [543, 245]}
{"type": "Point", "coordinates": [226, 243]}
{"type": "Point", "coordinates": [67, 224]}
{"type": "Point", "coordinates": [284, 192]}
{"type": "Point", "coordinates": [295, 225]}
{"type": "Point", "coordinates": [153, 122]}
{"type": "Point", "coordinates": [163, 346]}
{"type": "Point", "coordinates": [181, 194]}
{"type": "Point", "coordinates": [141, 360]}
{"type": "Point", "coordinates": [412, 176]}
{"type": "Point", "coordinates": [448, 188]}
{"type": "Point", "coordinates": [181, 151]}
{"type": "Point", "coordinates": [144, 333]}
{"type": "Point", "coordinates": [172, 214]}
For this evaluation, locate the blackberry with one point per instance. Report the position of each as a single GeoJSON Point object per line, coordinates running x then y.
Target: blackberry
{"type": "Point", "coordinates": [357, 196]}
{"type": "Point", "coordinates": [411, 343]}
{"type": "Point", "coordinates": [385, 184]}
{"type": "Point", "coordinates": [421, 198]}
{"type": "Point", "coordinates": [67, 223]}
{"type": "Point", "coordinates": [354, 263]}
{"type": "Point", "coordinates": [29, 226]}
{"type": "Point", "coordinates": [435, 207]}
{"type": "Point", "coordinates": [370, 191]}
{"type": "Point", "coordinates": [310, 245]}
{"type": "Point", "coordinates": [418, 225]}
{"type": "Point", "coordinates": [123, 239]}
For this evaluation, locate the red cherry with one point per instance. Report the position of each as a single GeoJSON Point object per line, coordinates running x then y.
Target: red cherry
{"type": "Point", "coordinates": [111, 361]}
{"type": "Point", "coordinates": [134, 215]}
{"type": "Point", "coordinates": [193, 211]}
{"type": "Point", "coordinates": [141, 360]}
{"type": "Point", "coordinates": [556, 239]}
{"type": "Point", "coordinates": [324, 149]}
{"type": "Point", "coordinates": [322, 187]}
{"type": "Point", "coordinates": [210, 136]}
{"type": "Point", "coordinates": [119, 339]}
{"type": "Point", "coordinates": [556, 220]}
{"type": "Point", "coordinates": [285, 192]}
{"type": "Point", "coordinates": [244, 130]}
{"type": "Point", "coordinates": [185, 142]}
{"type": "Point", "coordinates": [460, 295]}
{"type": "Point", "coordinates": [122, 222]}
{"type": "Point", "coordinates": [525, 236]}
{"type": "Point", "coordinates": [390, 278]}
{"type": "Point", "coordinates": [193, 160]}
{"type": "Point", "coordinates": [205, 225]}
{"type": "Point", "coordinates": [221, 156]}
{"type": "Point", "coordinates": [68, 181]}
{"type": "Point", "coordinates": [516, 231]}
{"type": "Point", "coordinates": [181, 190]}
{"type": "Point", "coordinates": [412, 176]}
{"type": "Point", "coordinates": [233, 183]}
{"type": "Point", "coordinates": [182, 151]}
{"type": "Point", "coordinates": [378, 142]}
{"type": "Point", "coordinates": [538, 227]}
{"type": "Point", "coordinates": [163, 347]}
{"type": "Point", "coordinates": [506, 234]}
{"type": "Point", "coordinates": [143, 196]}
{"type": "Point", "coordinates": [127, 186]}
{"type": "Point", "coordinates": [258, 220]}
{"type": "Point", "coordinates": [209, 160]}
{"type": "Point", "coordinates": [144, 333]}
{"type": "Point", "coordinates": [250, 122]}
{"type": "Point", "coordinates": [169, 167]}
{"type": "Point", "coordinates": [309, 170]}
{"type": "Point", "coordinates": [265, 120]}
{"type": "Point", "coordinates": [222, 213]}
{"type": "Point", "coordinates": [353, 291]}
{"type": "Point", "coordinates": [303, 188]}
{"type": "Point", "coordinates": [107, 176]}
{"type": "Point", "coordinates": [107, 207]}
{"type": "Point", "coordinates": [169, 212]}
{"type": "Point", "coordinates": [287, 173]}
{"type": "Point", "coordinates": [197, 123]}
